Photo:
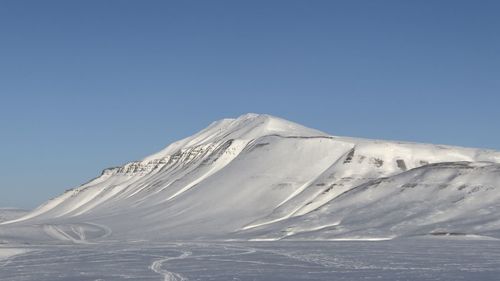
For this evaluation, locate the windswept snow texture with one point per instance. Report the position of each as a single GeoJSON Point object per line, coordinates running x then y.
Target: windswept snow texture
{"type": "Point", "coordinates": [263, 178]}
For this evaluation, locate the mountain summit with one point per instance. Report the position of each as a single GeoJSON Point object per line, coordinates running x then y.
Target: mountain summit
{"type": "Point", "coordinates": [258, 177]}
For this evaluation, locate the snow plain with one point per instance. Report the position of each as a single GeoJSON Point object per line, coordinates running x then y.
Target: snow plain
{"type": "Point", "coordinates": [262, 198]}
{"type": "Point", "coordinates": [406, 259]}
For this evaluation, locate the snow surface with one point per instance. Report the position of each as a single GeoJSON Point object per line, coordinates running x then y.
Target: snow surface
{"type": "Point", "coordinates": [412, 260]}
{"type": "Point", "coordinates": [6, 253]}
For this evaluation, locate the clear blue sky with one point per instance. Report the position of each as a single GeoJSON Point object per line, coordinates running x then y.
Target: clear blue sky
{"type": "Point", "coordinates": [89, 84]}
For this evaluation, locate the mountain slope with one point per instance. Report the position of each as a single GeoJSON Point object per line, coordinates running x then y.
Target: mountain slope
{"type": "Point", "coordinates": [262, 177]}
{"type": "Point", "coordinates": [7, 214]}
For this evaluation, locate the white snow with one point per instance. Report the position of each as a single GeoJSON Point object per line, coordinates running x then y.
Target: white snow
{"type": "Point", "coordinates": [412, 260]}
{"type": "Point", "coordinates": [9, 252]}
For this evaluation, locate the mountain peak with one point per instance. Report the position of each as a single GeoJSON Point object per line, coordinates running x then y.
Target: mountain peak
{"type": "Point", "coordinates": [245, 127]}
{"type": "Point", "coordinates": [251, 115]}
{"type": "Point", "coordinates": [252, 125]}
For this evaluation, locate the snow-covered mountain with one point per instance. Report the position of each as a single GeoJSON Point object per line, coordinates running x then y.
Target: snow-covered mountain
{"type": "Point", "coordinates": [264, 178]}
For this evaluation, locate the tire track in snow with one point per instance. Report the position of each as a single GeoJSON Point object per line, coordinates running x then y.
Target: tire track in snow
{"type": "Point", "coordinates": [156, 266]}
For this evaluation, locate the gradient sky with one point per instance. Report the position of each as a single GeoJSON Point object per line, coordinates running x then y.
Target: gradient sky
{"type": "Point", "coordinates": [89, 84]}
